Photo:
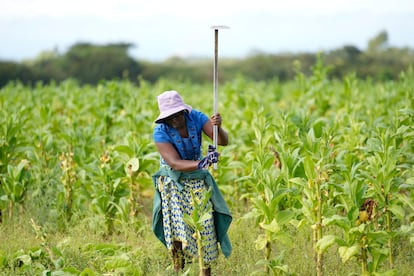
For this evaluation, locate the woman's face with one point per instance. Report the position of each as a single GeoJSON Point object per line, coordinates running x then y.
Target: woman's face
{"type": "Point", "coordinates": [176, 120]}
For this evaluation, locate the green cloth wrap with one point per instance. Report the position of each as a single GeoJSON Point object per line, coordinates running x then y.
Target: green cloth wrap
{"type": "Point", "coordinates": [221, 213]}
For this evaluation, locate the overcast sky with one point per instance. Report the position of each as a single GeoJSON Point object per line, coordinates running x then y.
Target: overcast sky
{"type": "Point", "coordinates": [160, 29]}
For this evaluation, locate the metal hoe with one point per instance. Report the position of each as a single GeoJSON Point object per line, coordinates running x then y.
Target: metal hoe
{"type": "Point", "coordinates": [215, 71]}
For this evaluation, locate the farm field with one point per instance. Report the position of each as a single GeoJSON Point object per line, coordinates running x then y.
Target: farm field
{"type": "Point", "coordinates": [319, 176]}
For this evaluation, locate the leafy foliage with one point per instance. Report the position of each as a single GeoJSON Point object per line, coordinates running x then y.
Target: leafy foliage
{"type": "Point", "coordinates": [335, 156]}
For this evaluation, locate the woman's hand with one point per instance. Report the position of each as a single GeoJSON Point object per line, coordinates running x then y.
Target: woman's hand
{"type": "Point", "coordinates": [211, 158]}
{"type": "Point", "coordinates": [216, 120]}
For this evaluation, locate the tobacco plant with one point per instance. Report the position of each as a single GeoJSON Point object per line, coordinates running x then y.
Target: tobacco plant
{"type": "Point", "coordinates": [14, 185]}
{"type": "Point", "coordinates": [200, 212]}
{"type": "Point", "coordinates": [268, 197]}
{"type": "Point", "coordinates": [13, 164]}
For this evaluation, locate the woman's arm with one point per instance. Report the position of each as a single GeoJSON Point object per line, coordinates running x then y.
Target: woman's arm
{"type": "Point", "coordinates": [222, 137]}
{"type": "Point", "coordinates": [171, 156]}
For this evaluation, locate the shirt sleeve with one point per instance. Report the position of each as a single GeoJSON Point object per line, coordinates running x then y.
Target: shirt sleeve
{"type": "Point", "coordinates": [160, 134]}
{"type": "Point", "coordinates": [200, 118]}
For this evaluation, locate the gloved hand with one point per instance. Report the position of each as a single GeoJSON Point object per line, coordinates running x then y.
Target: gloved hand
{"type": "Point", "coordinates": [212, 154]}
{"type": "Point", "coordinates": [211, 157]}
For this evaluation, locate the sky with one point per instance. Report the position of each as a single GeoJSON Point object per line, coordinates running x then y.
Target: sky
{"type": "Point", "coordinates": [160, 29]}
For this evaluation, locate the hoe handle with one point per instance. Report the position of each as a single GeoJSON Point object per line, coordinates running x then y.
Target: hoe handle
{"type": "Point", "coordinates": [215, 103]}
{"type": "Point", "coordinates": [215, 71]}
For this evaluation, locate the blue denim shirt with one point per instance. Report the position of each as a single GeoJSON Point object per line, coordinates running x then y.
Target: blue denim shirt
{"type": "Point", "coordinates": [188, 148]}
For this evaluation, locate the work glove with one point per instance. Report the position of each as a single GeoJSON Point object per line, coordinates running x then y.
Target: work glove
{"type": "Point", "coordinates": [211, 157]}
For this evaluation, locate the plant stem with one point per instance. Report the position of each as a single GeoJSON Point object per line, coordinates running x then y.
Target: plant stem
{"type": "Point", "coordinates": [132, 196]}
{"type": "Point", "coordinates": [318, 228]}
{"type": "Point", "coordinates": [268, 253]}
{"type": "Point", "coordinates": [11, 206]}
{"type": "Point", "coordinates": [364, 255]}
{"type": "Point", "coordinates": [390, 258]}
{"type": "Point", "coordinates": [200, 252]}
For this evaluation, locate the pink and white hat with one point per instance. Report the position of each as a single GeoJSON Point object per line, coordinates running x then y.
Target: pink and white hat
{"type": "Point", "coordinates": [169, 103]}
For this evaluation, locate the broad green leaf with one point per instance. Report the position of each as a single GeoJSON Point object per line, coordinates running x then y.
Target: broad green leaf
{"type": "Point", "coordinates": [298, 181]}
{"type": "Point", "coordinates": [204, 217]}
{"type": "Point", "coordinates": [26, 259]}
{"type": "Point", "coordinates": [359, 229]}
{"type": "Point", "coordinates": [70, 271]}
{"type": "Point", "coordinates": [326, 242]}
{"type": "Point", "coordinates": [406, 229]}
{"type": "Point", "coordinates": [272, 227]}
{"type": "Point", "coordinates": [124, 149]}
{"type": "Point", "coordinates": [189, 221]}
{"type": "Point", "coordinates": [268, 194]}
{"type": "Point", "coordinates": [347, 253]}
{"type": "Point", "coordinates": [132, 166]}
{"type": "Point", "coordinates": [338, 220]}
{"type": "Point", "coordinates": [402, 130]}
{"type": "Point", "coordinates": [283, 237]}
{"type": "Point", "coordinates": [309, 168]}
{"type": "Point", "coordinates": [405, 199]}
{"type": "Point", "coordinates": [88, 272]}
{"type": "Point", "coordinates": [285, 216]}
{"type": "Point", "coordinates": [118, 261]}
{"type": "Point", "coordinates": [260, 242]}
{"type": "Point", "coordinates": [261, 205]}
{"type": "Point", "coordinates": [397, 210]}
{"type": "Point", "coordinates": [379, 237]}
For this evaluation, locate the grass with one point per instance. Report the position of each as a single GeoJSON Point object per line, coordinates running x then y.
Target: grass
{"type": "Point", "coordinates": [141, 253]}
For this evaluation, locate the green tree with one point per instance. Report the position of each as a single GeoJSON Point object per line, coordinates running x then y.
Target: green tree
{"type": "Point", "coordinates": [91, 63]}
{"type": "Point", "coordinates": [378, 43]}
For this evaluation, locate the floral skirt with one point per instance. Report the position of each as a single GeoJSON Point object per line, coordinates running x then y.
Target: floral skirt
{"type": "Point", "coordinates": [176, 203]}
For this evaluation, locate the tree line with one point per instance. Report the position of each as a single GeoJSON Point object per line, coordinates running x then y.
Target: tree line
{"type": "Point", "coordinates": [89, 64]}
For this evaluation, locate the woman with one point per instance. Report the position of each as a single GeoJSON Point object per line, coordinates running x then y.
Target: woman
{"type": "Point", "coordinates": [183, 171]}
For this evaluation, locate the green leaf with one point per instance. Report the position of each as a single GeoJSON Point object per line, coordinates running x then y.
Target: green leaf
{"type": "Point", "coordinates": [326, 242]}
{"type": "Point", "coordinates": [272, 227]}
{"type": "Point", "coordinates": [397, 210]}
{"type": "Point", "coordinates": [283, 237]}
{"type": "Point", "coordinates": [268, 194]}
{"type": "Point", "coordinates": [26, 259]}
{"type": "Point", "coordinates": [410, 180]}
{"type": "Point", "coordinates": [124, 149]}
{"type": "Point", "coordinates": [88, 272]}
{"type": "Point", "coordinates": [309, 166]}
{"type": "Point", "coordinates": [3, 259]}
{"type": "Point", "coordinates": [299, 181]}
{"type": "Point", "coordinates": [347, 253]}
{"type": "Point", "coordinates": [261, 205]}
{"type": "Point", "coordinates": [358, 229]}
{"type": "Point", "coordinates": [204, 217]}
{"type": "Point", "coordinates": [70, 271]}
{"type": "Point", "coordinates": [189, 221]}
{"type": "Point", "coordinates": [338, 220]}
{"type": "Point", "coordinates": [260, 242]}
{"type": "Point", "coordinates": [403, 130]}
{"type": "Point", "coordinates": [285, 216]}
{"type": "Point", "coordinates": [379, 237]}
{"type": "Point", "coordinates": [132, 166]}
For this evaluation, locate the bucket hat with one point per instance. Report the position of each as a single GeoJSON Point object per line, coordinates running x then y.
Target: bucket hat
{"type": "Point", "coordinates": [169, 103]}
